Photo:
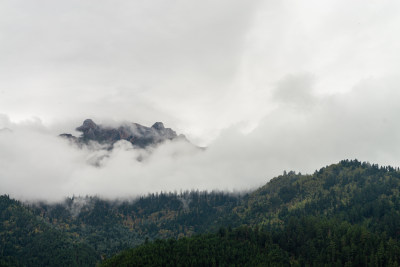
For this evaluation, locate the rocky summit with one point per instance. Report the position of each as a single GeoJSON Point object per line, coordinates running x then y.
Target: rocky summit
{"type": "Point", "coordinates": [140, 136]}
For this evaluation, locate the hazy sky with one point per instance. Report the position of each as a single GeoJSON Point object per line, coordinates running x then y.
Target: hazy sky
{"type": "Point", "coordinates": [266, 85]}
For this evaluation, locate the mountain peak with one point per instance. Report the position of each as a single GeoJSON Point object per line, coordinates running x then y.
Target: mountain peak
{"type": "Point", "coordinates": [158, 126]}
{"type": "Point", "coordinates": [138, 135]}
{"type": "Point", "coordinates": [87, 124]}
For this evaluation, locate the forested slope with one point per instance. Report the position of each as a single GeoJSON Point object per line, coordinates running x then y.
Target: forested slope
{"type": "Point", "coordinates": [343, 214]}
{"type": "Point", "coordinates": [111, 226]}
{"type": "Point", "coordinates": [352, 191]}
{"type": "Point", "coordinates": [304, 241]}
{"type": "Point", "coordinates": [26, 240]}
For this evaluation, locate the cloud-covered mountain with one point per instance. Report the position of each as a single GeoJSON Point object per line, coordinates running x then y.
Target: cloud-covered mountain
{"type": "Point", "coordinates": [138, 135]}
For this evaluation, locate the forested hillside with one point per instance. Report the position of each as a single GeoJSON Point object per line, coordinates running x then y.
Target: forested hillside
{"type": "Point", "coordinates": [343, 214]}
{"type": "Point", "coordinates": [28, 241]}
{"type": "Point", "coordinates": [305, 241]}
{"type": "Point", "coordinates": [111, 226]}
{"type": "Point", "coordinates": [359, 193]}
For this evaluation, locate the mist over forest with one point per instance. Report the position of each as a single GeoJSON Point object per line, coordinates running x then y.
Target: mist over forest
{"type": "Point", "coordinates": [204, 133]}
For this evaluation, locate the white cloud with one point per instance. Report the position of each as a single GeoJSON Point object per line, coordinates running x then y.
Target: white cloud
{"type": "Point", "coordinates": [359, 124]}
{"type": "Point", "coordinates": [267, 85]}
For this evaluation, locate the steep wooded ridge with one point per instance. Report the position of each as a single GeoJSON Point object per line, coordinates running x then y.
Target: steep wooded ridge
{"type": "Point", "coordinates": [345, 214]}
{"type": "Point", "coordinates": [26, 240]}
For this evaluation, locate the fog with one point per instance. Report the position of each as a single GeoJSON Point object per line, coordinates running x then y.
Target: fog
{"type": "Point", "coordinates": [266, 86]}
{"type": "Point", "coordinates": [297, 135]}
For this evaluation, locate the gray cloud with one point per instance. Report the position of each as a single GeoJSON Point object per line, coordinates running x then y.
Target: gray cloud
{"type": "Point", "coordinates": [266, 85]}
{"type": "Point", "coordinates": [119, 60]}
{"type": "Point", "coordinates": [296, 90]}
{"type": "Point", "coordinates": [358, 124]}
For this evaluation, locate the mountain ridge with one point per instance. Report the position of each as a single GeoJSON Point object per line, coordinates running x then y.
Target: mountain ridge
{"type": "Point", "coordinates": [138, 135]}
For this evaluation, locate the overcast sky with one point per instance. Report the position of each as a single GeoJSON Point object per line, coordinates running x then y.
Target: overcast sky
{"type": "Point", "coordinates": [266, 85]}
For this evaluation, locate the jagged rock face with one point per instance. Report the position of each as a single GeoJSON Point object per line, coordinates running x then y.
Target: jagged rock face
{"type": "Point", "coordinates": [139, 135]}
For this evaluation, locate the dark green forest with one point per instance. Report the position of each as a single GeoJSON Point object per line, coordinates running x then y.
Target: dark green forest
{"type": "Point", "coordinates": [26, 240]}
{"type": "Point", "coordinates": [345, 214]}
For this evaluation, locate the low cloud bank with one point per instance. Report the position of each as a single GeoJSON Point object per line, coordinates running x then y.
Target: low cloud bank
{"type": "Point", "coordinates": [303, 133]}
